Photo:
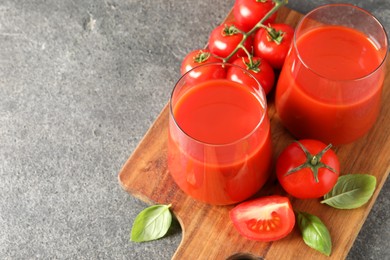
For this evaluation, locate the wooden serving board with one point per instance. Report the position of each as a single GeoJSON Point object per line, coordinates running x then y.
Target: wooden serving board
{"type": "Point", "coordinates": [208, 232]}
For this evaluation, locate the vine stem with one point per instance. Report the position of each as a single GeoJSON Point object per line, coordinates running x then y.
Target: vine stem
{"type": "Point", "coordinates": [278, 4]}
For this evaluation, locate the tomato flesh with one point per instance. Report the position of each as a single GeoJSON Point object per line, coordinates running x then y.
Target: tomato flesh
{"type": "Point", "coordinates": [264, 219]}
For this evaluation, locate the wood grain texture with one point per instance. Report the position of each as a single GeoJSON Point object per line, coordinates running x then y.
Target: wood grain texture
{"type": "Point", "coordinates": [207, 230]}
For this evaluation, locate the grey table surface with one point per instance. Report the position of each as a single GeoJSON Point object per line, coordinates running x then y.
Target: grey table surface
{"type": "Point", "coordinates": [80, 84]}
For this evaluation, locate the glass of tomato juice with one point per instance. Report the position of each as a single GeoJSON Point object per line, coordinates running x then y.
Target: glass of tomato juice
{"type": "Point", "coordinates": [219, 141]}
{"type": "Point", "coordinates": [331, 82]}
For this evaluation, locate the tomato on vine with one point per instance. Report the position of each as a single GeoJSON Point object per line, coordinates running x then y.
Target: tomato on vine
{"type": "Point", "coordinates": [264, 219]}
{"type": "Point", "coordinates": [224, 39]}
{"type": "Point", "coordinates": [196, 58]}
{"type": "Point", "coordinates": [307, 169]}
{"type": "Point", "coordinates": [273, 43]}
{"type": "Point", "coordinates": [247, 13]}
{"type": "Point", "coordinates": [257, 67]}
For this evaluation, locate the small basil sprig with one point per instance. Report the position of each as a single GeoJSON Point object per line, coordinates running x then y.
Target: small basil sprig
{"type": "Point", "coordinates": [314, 232]}
{"type": "Point", "coordinates": [351, 191]}
{"type": "Point", "coordinates": [151, 223]}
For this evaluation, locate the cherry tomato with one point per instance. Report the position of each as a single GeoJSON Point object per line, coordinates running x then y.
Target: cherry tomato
{"type": "Point", "coordinates": [193, 65]}
{"type": "Point", "coordinates": [259, 68]}
{"type": "Point", "coordinates": [247, 13]}
{"type": "Point", "coordinates": [196, 58]}
{"type": "Point", "coordinates": [307, 169]}
{"type": "Point", "coordinates": [274, 43]}
{"type": "Point", "coordinates": [264, 219]}
{"type": "Point", "coordinates": [224, 39]}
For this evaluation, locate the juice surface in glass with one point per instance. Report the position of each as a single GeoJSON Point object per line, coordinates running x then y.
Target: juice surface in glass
{"type": "Point", "coordinates": [219, 146]}
{"type": "Point", "coordinates": [323, 91]}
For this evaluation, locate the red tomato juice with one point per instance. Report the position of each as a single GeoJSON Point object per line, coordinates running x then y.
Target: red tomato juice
{"type": "Point", "coordinates": [219, 146]}
{"type": "Point", "coordinates": [333, 101]}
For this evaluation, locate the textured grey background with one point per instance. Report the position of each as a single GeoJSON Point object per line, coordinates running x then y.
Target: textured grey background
{"type": "Point", "coordinates": [80, 84]}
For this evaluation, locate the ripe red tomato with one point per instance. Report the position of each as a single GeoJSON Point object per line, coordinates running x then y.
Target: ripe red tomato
{"type": "Point", "coordinates": [264, 219]}
{"type": "Point", "coordinates": [307, 169]}
{"type": "Point", "coordinates": [273, 44]}
{"type": "Point", "coordinates": [224, 39]}
{"type": "Point", "coordinates": [247, 13]}
{"type": "Point", "coordinates": [260, 69]}
{"type": "Point", "coordinates": [196, 58]}
{"type": "Point", "coordinates": [193, 65]}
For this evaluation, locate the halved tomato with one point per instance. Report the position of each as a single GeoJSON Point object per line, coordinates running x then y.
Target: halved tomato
{"type": "Point", "coordinates": [264, 219]}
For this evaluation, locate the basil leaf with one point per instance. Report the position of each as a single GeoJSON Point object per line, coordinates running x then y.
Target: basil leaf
{"type": "Point", "coordinates": [351, 191]}
{"type": "Point", "coordinates": [314, 233]}
{"type": "Point", "coordinates": [151, 223]}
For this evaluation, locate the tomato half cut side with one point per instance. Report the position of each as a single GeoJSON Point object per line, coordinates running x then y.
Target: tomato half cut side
{"type": "Point", "coordinates": [264, 219]}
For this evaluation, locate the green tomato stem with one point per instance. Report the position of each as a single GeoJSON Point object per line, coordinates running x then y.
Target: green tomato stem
{"type": "Point", "coordinates": [249, 56]}
{"type": "Point", "coordinates": [314, 160]}
{"type": "Point", "coordinates": [202, 57]}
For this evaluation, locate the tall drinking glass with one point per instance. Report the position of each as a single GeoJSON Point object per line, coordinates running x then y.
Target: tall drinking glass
{"type": "Point", "coordinates": [219, 144]}
{"type": "Point", "coordinates": [330, 85]}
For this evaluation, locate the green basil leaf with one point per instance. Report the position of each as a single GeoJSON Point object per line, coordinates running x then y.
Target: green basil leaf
{"type": "Point", "coordinates": [151, 223]}
{"type": "Point", "coordinates": [351, 191]}
{"type": "Point", "coordinates": [314, 233]}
